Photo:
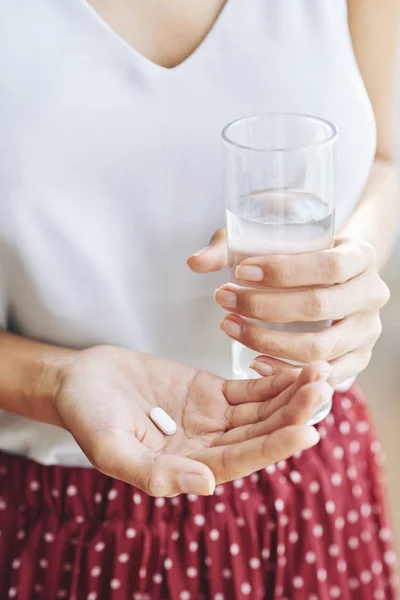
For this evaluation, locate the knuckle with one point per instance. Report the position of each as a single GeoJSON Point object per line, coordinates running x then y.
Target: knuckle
{"type": "Point", "coordinates": [251, 303]}
{"type": "Point", "coordinates": [335, 268]}
{"type": "Point", "coordinates": [384, 293]}
{"type": "Point", "coordinates": [313, 348]}
{"type": "Point", "coordinates": [314, 305]}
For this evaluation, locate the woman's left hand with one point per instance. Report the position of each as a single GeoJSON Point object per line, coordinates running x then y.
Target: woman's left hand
{"type": "Point", "coordinates": [341, 284]}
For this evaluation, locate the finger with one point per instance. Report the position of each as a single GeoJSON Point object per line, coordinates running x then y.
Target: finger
{"type": "Point", "coordinates": [301, 408]}
{"type": "Point", "coordinates": [346, 260]}
{"type": "Point", "coordinates": [305, 305]}
{"type": "Point", "coordinates": [212, 258]}
{"type": "Point", "coordinates": [349, 365]}
{"type": "Point", "coordinates": [263, 364]}
{"type": "Point", "coordinates": [253, 411]}
{"type": "Point", "coordinates": [344, 336]}
{"type": "Point", "coordinates": [122, 456]}
{"type": "Point", "coordinates": [238, 460]}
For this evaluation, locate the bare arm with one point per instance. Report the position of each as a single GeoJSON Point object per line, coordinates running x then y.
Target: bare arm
{"type": "Point", "coordinates": [374, 27]}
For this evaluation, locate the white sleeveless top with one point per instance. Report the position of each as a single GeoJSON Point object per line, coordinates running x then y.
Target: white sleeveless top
{"type": "Point", "coordinates": [110, 172]}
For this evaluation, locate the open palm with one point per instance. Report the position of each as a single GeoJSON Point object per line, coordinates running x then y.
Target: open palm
{"type": "Point", "coordinates": [225, 429]}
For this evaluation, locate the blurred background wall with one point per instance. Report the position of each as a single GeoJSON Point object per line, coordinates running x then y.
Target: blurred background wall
{"type": "Point", "coordinates": [381, 381]}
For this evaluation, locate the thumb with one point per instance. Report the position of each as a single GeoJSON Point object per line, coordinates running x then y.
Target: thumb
{"type": "Point", "coordinates": [212, 258]}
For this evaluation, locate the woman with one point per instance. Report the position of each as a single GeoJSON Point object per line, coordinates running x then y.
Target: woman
{"type": "Point", "coordinates": [110, 177]}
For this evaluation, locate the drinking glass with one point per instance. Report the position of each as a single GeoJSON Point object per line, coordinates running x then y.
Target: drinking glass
{"type": "Point", "coordinates": [279, 171]}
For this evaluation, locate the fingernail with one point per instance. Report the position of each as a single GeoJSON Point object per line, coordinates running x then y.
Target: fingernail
{"type": "Point", "coordinates": [193, 483]}
{"type": "Point", "coordinates": [262, 367]}
{"type": "Point", "coordinates": [225, 298]}
{"type": "Point", "coordinates": [231, 328]}
{"type": "Point", "coordinates": [249, 273]}
{"type": "Point", "coordinates": [199, 252]}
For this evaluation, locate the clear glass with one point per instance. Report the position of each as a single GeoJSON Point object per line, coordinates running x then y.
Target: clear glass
{"type": "Point", "coordinates": [279, 189]}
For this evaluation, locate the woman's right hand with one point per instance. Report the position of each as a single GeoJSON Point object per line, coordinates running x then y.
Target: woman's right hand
{"type": "Point", "coordinates": [225, 429]}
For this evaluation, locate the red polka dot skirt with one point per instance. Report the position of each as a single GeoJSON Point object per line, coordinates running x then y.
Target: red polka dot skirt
{"type": "Point", "coordinates": [313, 527]}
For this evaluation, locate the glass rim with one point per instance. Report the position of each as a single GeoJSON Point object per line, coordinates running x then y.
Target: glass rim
{"type": "Point", "coordinates": [331, 139]}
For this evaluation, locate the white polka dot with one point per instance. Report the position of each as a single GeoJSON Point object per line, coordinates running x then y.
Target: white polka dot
{"type": "Point", "coordinates": [281, 465]}
{"type": "Point", "coordinates": [244, 496]}
{"type": "Point", "coordinates": [226, 573]}
{"type": "Point", "coordinates": [80, 519]}
{"type": "Point", "coordinates": [306, 514]}
{"type": "Point", "coordinates": [344, 427]}
{"type": "Point", "coordinates": [295, 476]}
{"type": "Point", "coordinates": [34, 485]}
{"type": "Point", "coordinates": [130, 533]}
{"type": "Point", "coordinates": [175, 501]}
{"type": "Point", "coordinates": [16, 563]}
{"type": "Point", "coordinates": [254, 563]}
{"type": "Point", "coordinates": [335, 592]}
{"type": "Point", "coordinates": [3, 469]}
{"type": "Point", "coordinates": [283, 520]}
{"type": "Point", "coordinates": [191, 572]}
{"type": "Point", "coordinates": [192, 497]}
{"type": "Point", "coordinates": [293, 537]}
{"type": "Point", "coordinates": [67, 567]}
{"type": "Point", "coordinates": [354, 446]}
{"type": "Point", "coordinates": [352, 516]}
{"type": "Point", "coordinates": [385, 535]}
{"type": "Point", "coordinates": [137, 499]}
{"type": "Point", "coordinates": [270, 469]}
{"type": "Point", "coordinates": [115, 584]}
{"type": "Point", "coordinates": [312, 597]}
{"type": "Point", "coordinates": [12, 592]}
{"type": "Point", "coordinates": [245, 588]}
{"type": "Point", "coordinates": [365, 510]}
{"type": "Point", "coordinates": [346, 403]}
{"type": "Point", "coordinates": [365, 577]}
{"type": "Point", "coordinates": [124, 557]}
{"type": "Point", "coordinates": [265, 553]}
{"type": "Point", "coordinates": [338, 452]}
{"type": "Point", "coordinates": [185, 595]}
{"type": "Point", "coordinates": [375, 446]}
{"type": "Point", "coordinates": [168, 563]}
{"type": "Point", "coordinates": [175, 536]}
{"type": "Point", "coordinates": [98, 498]}
{"type": "Point", "coordinates": [219, 490]}
{"type": "Point", "coordinates": [330, 507]}
{"type": "Point", "coordinates": [262, 509]}
{"type": "Point", "coordinates": [336, 479]}
{"type": "Point", "coordinates": [48, 537]}
{"type": "Point", "coordinates": [282, 562]}
{"type": "Point", "coordinates": [55, 493]}
{"type": "Point", "coordinates": [214, 534]}
{"type": "Point", "coordinates": [92, 596]}
{"type": "Point", "coordinates": [193, 546]}
{"type": "Point", "coordinates": [43, 563]}
{"type": "Point", "coordinates": [21, 535]}
{"type": "Point", "coordinates": [199, 520]}
{"type": "Point", "coordinates": [351, 473]}
{"type": "Point", "coordinates": [254, 477]}
{"type": "Point", "coordinates": [99, 547]}
{"type": "Point", "coordinates": [310, 558]}
{"type": "Point", "coordinates": [234, 549]}
{"type": "Point", "coordinates": [362, 427]}
{"type": "Point", "coordinates": [278, 590]}
{"type": "Point", "coordinates": [297, 454]}
{"type": "Point", "coordinates": [142, 573]}
{"type": "Point", "coordinates": [390, 557]}
{"type": "Point", "coordinates": [353, 542]}
{"type": "Point", "coordinates": [38, 588]}
{"type": "Point", "coordinates": [218, 597]}
{"type": "Point", "coordinates": [298, 582]}
{"type": "Point", "coordinates": [314, 487]}
{"type": "Point", "coordinates": [341, 565]}
{"type": "Point", "coordinates": [281, 549]}
{"type": "Point", "coordinates": [72, 490]}
{"type": "Point", "coordinates": [333, 550]}
{"type": "Point", "coordinates": [95, 571]}
{"type": "Point", "coordinates": [322, 432]}
{"type": "Point", "coordinates": [62, 594]}
{"type": "Point", "coordinates": [379, 595]}
{"type": "Point", "coordinates": [322, 574]}
{"type": "Point", "coordinates": [157, 578]}
{"type": "Point", "coordinates": [330, 420]}
{"type": "Point", "coordinates": [220, 507]}
{"type": "Point", "coordinates": [279, 505]}
{"type": "Point", "coordinates": [365, 536]}
{"type": "Point", "coordinates": [159, 502]}
{"type": "Point", "coordinates": [356, 490]}
{"type": "Point", "coordinates": [240, 522]}
{"type": "Point", "coordinates": [318, 530]}
{"type": "Point", "coordinates": [376, 567]}
{"type": "Point", "coordinates": [238, 483]}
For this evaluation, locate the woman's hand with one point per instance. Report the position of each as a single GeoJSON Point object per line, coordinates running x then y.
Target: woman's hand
{"type": "Point", "coordinates": [341, 284]}
{"type": "Point", "coordinates": [225, 429]}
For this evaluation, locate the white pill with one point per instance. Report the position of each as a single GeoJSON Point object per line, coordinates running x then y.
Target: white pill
{"type": "Point", "coordinates": [163, 421]}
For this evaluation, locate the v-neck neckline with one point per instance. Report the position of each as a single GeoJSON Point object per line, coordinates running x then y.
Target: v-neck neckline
{"type": "Point", "coordinates": [130, 49]}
